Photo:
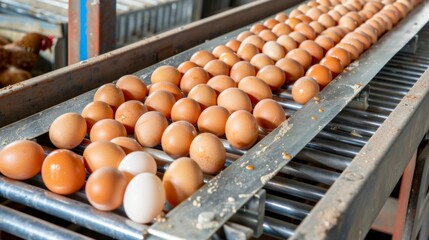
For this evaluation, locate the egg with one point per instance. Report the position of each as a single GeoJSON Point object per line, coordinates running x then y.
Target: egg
{"type": "Point", "coordinates": [270, 23]}
{"type": "Point", "coordinates": [298, 37]}
{"type": "Point", "coordinates": [287, 42]}
{"type": "Point", "coordinates": [272, 75]}
{"type": "Point", "coordinates": [354, 53]}
{"type": "Point", "coordinates": [213, 120]}
{"type": "Point", "coordinates": [216, 67]}
{"type": "Point", "coordinates": [229, 58]}
{"type": "Point", "coordinates": [107, 129]}
{"type": "Point", "coordinates": [364, 39]}
{"type": "Point", "coordinates": [267, 35]}
{"type": "Point", "coordinates": [110, 94]}
{"type": "Point", "coordinates": [365, 15]}
{"type": "Point", "coordinates": [340, 31]}
{"type": "Point", "coordinates": [348, 22]}
{"type": "Point", "coordinates": [234, 99]}
{"type": "Point", "coordinates": [317, 26]}
{"type": "Point", "coordinates": [254, 40]}
{"type": "Point", "coordinates": [269, 114]}
{"type": "Point", "coordinates": [241, 129]}
{"type": "Point", "coordinates": [233, 45]}
{"type": "Point", "coordinates": [324, 42]}
{"type": "Point", "coordinates": [132, 87]}
{"type": "Point", "coordinates": [304, 18]}
{"type": "Point", "coordinates": [384, 19]}
{"type": "Point", "coordinates": [402, 8]}
{"type": "Point", "coordinates": [177, 138]}
{"type": "Point", "coordinates": [274, 50]}
{"type": "Point", "coordinates": [261, 60]}
{"type": "Point", "coordinates": [313, 49]}
{"type": "Point", "coordinates": [161, 101]}
{"type": "Point", "coordinates": [96, 111]}
{"type": "Point", "coordinates": [392, 15]}
{"type": "Point", "coordinates": [302, 56]}
{"type": "Point", "coordinates": [105, 188]}
{"type": "Point", "coordinates": [247, 51]}
{"type": "Point", "coordinates": [138, 162]}
{"type": "Point", "coordinates": [327, 20]}
{"type": "Point", "coordinates": [192, 78]}
{"type": "Point", "coordinates": [244, 35]}
{"type": "Point", "coordinates": [332, 34]}
{"type": "Point", "coordinates": [144, 198]}
{"type": "Point", "coordinates": [101, 154]}
{"type": "Point", "coordinates": [304, 89]}
{"type": "Point", "coordinates": [341, 54]}
{"type": "Point", "coordinates": [333, 64]}
{"type": "Point", "coordinates": [356, 17]}
{"type": "Point", "coordinates": [355, 43]}
{"type": "Point", "coordinates": [127, 144]}
{"type": "Point", "coordinates": [221, 82]}
{"type": "Point", "coordinates": [257, 28]}
{"type": "Point", "coordinates": [186, 109]}
{"type": "Point", "coordinates": [341, 9]}
{"type": "Point", "coordinates": [294, 13]}
{"type": "Point", "coordinates": [181, 179]}
{"type": "Point", "coordinates": [323, 8]}
{"type": "Point", "coordinates": [167, 86]}
{"type": "Point", "coordinates": [256, 88]}
{"type": "Point", "coordinates": [184, 67]}
{"type": "Point", "coordinates": [281, 29]}
{"type": "Point", "coordinates": [281, 17]}
{"type": "Point", "coordinates": [304, 8]}
{"type": "Point", "coordinates": [208, 152]}
{"type": "Point", "coordinates": [166, 73]}
{"type": "Point", "coordinates": [67, 131]}
{"type": "Point", "coordinates": [314, 13]}
{"type": "Point", "coordinates": [149, 128]}
{"type": "Point", "coordinates": [21, 159]}
{"type": "Point", "coordinates": [63, 172]}
{"type": "Point", "coordinates": [292, 22]}
{"type": "Point", "coordinates": [335, 15]}
{"type": "Point", "coordinates": [241, 70]}
{"type": "Point", "coordinates": [380, 28]}
{"type": "Point", "coordinates": [202, 57]}
{"type": "Point", "coordinates": [321, 74]}
{"type": "Point", "coordinates": [128, 113]}
{"type": "Point", "coordinates": [218, 50]}
{"type": "Point", "coordinates": [368, 30]}
{"type": "Point", "coordinates": [292, 69]}
{"type": "Point", "coordinates": [204, 94]}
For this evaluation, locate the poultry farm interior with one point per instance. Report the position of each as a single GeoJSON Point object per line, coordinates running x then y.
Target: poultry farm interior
{"type": "Point", "coordinates": [341, 149]}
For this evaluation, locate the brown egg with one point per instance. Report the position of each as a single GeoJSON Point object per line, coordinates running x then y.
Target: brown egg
{"type": "Point", "coordinates": [102, 154]}
{"type": "Point", "coordinates": [354, 53]}
{"type": "Point", "coordinates": [324, 3]}
{"type": "Point", "coordinates": [348, 22]}
{"type": "Point", "coordinates": [256, 88]}
{"type": "Point", "coordinates": [181, 179]}
{"type": "Point", "coordinates": [167, 86]}
{"type": "Point", "coordinates": [213, 120]}
{"type": "Point", "coordinates": [392, 15]}
{"type": "Point", "coordinates": [356, 4]}
{"type": "Point", "coordinates": [256, 29]}
{"type": "Point", "coordinates": [217, 51]}
{"type": "Point", "coordinates": [177, 138]}
{"type": "Point", "coordinates": [385, 20]}
{"type": "Point", "coordinates": [267, 35]}
{"type": "Point", "coordinates": [304, 18]}
{"type": "Point", "coordinates": [306, 30]}
{"type": "Point", "coordinates": [365, 15]}
{"type": "Point", "coordinates": [269, 114]}
{"type": "Point", "coordinates": [244, 35]}
{"type": "Point", "coordinates": [202, 57]}
{"type": "Point", "coordinates": [192, 78]}
{"type": "Point", "coordinates": [373, 6]}
{"type": "Point", "coordinates": [335, 15]}
{"type": "Point", "coordinates": [325, 42]}
{"type": "Point", "coordinates": [281, 29]}
{"type": "Point", "coordinates": [314, 13]}
{"type": "Point", "coordinates": [304, 89]}
{"type": "Point", "coordinates": [341, 54]}
{"type": "Point", "coordinates": [127, 144]}
{"type": "Point", "coordinates": [161, 101]}
{"type": "Point", "coordinates": [216, 67]}
{"type": "Point", "coordinates": [234, 99]}
{"type": "Point", "coordinates": [327, 20]}
{"type": "Point", "coordinates": [105, 188]}
{"type": "Point", "coordinates": [63, 172]}
{"type": "Point", "coordinates": [281, 17]}
{"type": "Point", "coordinates": [221, 82]}
{"type": "Point", "coordinates": [321, 74]}
{"type": "Point", "coordinates": [349, 7]}
{"type": "Point", "coordinates": [408, 5]}
{"type": "Point", "coordinates": [333, 64]}
{"type": "Point", "coordinates": [149, 128]}
{"type": "Point", "coordinates": [292, 22]}
{"type": "Point", "coordinates": [314, 49]}
{"type": "Point", "coordinates": [129, 112]}
{"type": "Point", "coordinates": [272, 75]}
{"type": "Point", "coordinates": [294, 13]}
{"type": "Point", "coordinates": [253, 39]}
{"type": "Point", "coordinates": [287, 42]}
{"type": "Point", "coordinates": [166, 74]}
{"type": "Point", "coordinates": [364, 39]}
{"type": "Point", "coordinates": [323, 8]}
{"type": "Point", "coordinates": [95, 111]}
{"type": "Point", "coordinates": [304, 8]}
{"type": "Point", "coordinates": [21, 159]}
{"type": "Point", "coordinates": [313, 4]}
{"type": "Point", "coordinates": [341, 9]}
{"type": "Point", "coordinates": [247, 51]}
{"type": "Point", "coordinates": [298, 37]}
{"type": "Point", "coordinates": [274, 50]}
{"type": "Point", "coordinates": [110, 94]}
{"type": "Point", "coordinates": [376, 25]}
{"type": "Point", "coordinates": [369, 31]}
{"type": "Point", "coordinates": [186, 109]}
{"type": "Point", "coordinates": [68, 130]}
{"type": "Point", "coordinates": [233, 44]}
{"type": "Point", "coordinates": [292, 69]}
{"type": "Point", "coordinates": [229, 58]}
{"type": "Point", "coordinates": [261, 60]}
{"type": "Point", "coordinates": [356, 17]}
{"type": "Point", "coordinates": [242, 69]}
{"type": "Point", "coordinates": [107, 129]}
{"type": "Point", "coordinates": [204, 94]}
{"type": "Point", "coordinates": [208, 152]}
{"type": "Point", "coordinates": [185, 66]}
{"type": "Point", "coordinates": [270, 23]}
{"type": "Point", "coordinates": [241, 130]}
{"type": "Point", "coordinates": [355, 43]}
{"type": "Point", "coordinates": [132, 87]}
{"type": "Point", "coordinates": [402, 8]}
{"type": "Point", "coordinates": [302, 56]}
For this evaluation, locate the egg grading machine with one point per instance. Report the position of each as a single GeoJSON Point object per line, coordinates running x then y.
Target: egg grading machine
{"type": "Point", "coordinates": [346, 160]}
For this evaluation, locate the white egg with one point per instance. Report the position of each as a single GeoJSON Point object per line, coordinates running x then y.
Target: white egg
{"type": "Point", "coordinates": [138, 162]}
{"type": "Point", "coordinates": [144, 198]}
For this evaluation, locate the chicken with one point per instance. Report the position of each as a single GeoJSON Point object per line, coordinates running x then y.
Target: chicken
{"type": "Point", "coordinates": [12, 75]}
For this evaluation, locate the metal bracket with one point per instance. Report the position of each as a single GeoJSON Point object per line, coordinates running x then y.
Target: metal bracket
{"type": "Point", "coordinates": [361, 100]}
{"type": "Point", "coordinates": [411, 46]}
